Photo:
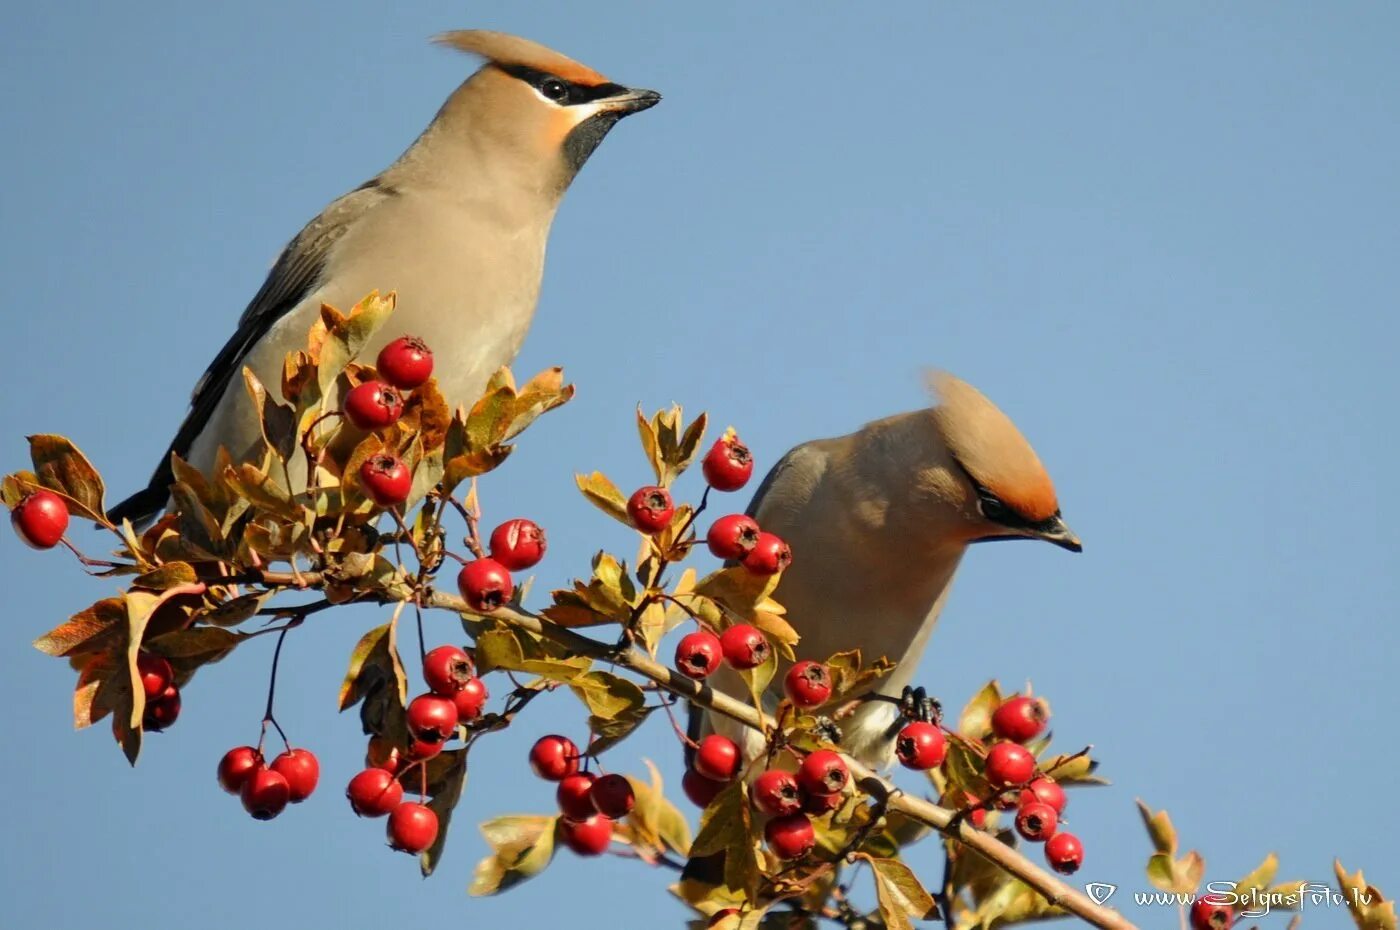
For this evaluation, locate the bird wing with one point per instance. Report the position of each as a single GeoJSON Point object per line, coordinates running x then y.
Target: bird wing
{"type": "Point", "coordinates": [297, 272]}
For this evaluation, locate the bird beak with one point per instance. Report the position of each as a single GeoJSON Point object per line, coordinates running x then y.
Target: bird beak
{"type": "Point", "coordinates": [1056, 531]}
{"type": "Point", "coordinates": [632, 100]}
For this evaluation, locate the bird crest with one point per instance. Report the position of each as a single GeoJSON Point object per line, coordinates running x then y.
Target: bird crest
{"type": "Point", "coordinates": [503, 49]}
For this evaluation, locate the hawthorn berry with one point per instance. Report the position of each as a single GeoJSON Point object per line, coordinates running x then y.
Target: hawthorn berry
{"type": "Point", "coordinates": [1212, 912]}
{"type": "Point", "coordinates": [373, 405]}
{"type": "Point", "coordinates": [699, 789]}
{"type": "Point", "coordinates": [235, 767]}
{"type": "Point", "coordinates": [382, 754]}
{"type": "Point", "coordinates": [1045, 790]}
{"type": "Point", "coordinates": [301, 770]}
{"type": "Point", "coordinates": [587, 837]}
{"type": "Point", "coordinates": [446, 670]}
{"type": "Point", "coordinates": [575, 802]}
{"type": "Point", "coordinates": [40, 519]}
{"type": "Point", "coordinates": [386, 479]}
{"type": "Point", "coordinates": [698, 654]}
{"type": "Point", "coordinates": [732, 537]}
{"type": "Point", "coordinates": [518, 544]}
{"type": "Point", "coordinates": [374, 793]}
{"type": "Point", "coordinates": [790, 836]}
{"type": "Point", "coordinates": [554, 758]}
{"type": "Point", "coordinates": [776, 793]}
{"type": "Point", "coordinates": [977, 815]}
{"type": "Point", "coordinates": [823, 772]}
{"type": "Point", "coordinates": [1036, 821]}
{"type": "Point", "coordinates": [485, 584]}
{"type": "Point", "coordinates": [768, 556]}
{"type": "Point", "coordinates": [807, 684]}
{"type": "Point", "coordinates": [744, 646]}
{"type": "Point", "coordinates": [921, 746]}
{"type": "Point", "coordinates": [162, 710]}
{"type": "Point", "coordinates": [612, 796]}
{"type": "Point", "coordinates": [1020, 718]}
{"type": "Point", "coordinates": [265, 793]}
{"type": "Point", "coordinates": [651, 509]}
{"type": "Point", "coordinates": [156, 674]}
{"type": "Point", "coordinates": [728, 465]}
{"type": "Point", "coordinates": [406, 363]}
{"type": "Point", "coordinates": [1065, 853]}
{"type": "Point", "coordinates": [717, 758]}
{"type": "Point", "coordinates": [1009, 764]}
{"type": "Point", "coordinates": [412, 827]}
{"type": "Point", "coordinates": [432, 718]}
{"type": "Point", "coordinates": [471, 700]}
{"type": "Point", "coordinates": [421, 750]}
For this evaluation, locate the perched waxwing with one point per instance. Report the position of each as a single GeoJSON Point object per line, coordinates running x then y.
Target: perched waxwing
{"type": "Point", "coordinates": [456, 227]}
{"type": "Point", "coordinates": [878, 521]}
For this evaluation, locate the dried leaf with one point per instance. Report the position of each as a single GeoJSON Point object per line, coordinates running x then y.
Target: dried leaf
{"type": "Point", "coordinates": [522, 846]}
{"type": "Point", "coordinates": [447, 791]}
{"type": "Point", "coordinates": [901, 896]}
{"type": "Point", "coordinates": [725, 826]}
{"type": "Point", "coordinates": [61, 467]}
{"type": "Point", "coordinates": [93, 629]}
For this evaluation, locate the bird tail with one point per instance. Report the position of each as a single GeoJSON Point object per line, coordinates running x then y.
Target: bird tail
{"type": "Point", "coordinates": [144, 506]}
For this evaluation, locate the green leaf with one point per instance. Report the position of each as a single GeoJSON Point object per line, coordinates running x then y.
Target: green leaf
{"type": "Point", "coordinates": [447, 791]}
{"type": "Point", "coordinates": [725, 826]}
{"type": "Point", "coordinates": [502, 648]}
{"type": "Point", "coordinates": [608, 732]}
{"type": "Point", "coordinates": [975, 721]}
{"type": "Point", "coordinates": [604, 495]}
{"type": "Point", "coordinates": [61, 467]}
{"type": "Point", "coordinates": [901, 897]}
{"type": "Point", "coordinates": [655, 820]}
{"type": "Point", "coordinates": [607, 695]}
{"type": "Point", "coordinates": [522, 846]}
{"type": "Point", "coordinates": [1159, 828]}
{"type": "Point", "coordinates": [1261, 878]}
{"type": "Point", "coordinates": [373, 663]}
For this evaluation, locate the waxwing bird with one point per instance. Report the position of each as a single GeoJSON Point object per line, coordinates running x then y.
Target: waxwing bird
{"type": "Point", "coordinates": [878, 522]}
{"type": "Point", "coordinates": [456, 227]}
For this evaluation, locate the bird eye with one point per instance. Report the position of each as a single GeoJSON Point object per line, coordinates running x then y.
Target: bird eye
{"type": "Point", "coordinates": [554, 89]}
{"type": "Point", "coordinates": [993, 509]}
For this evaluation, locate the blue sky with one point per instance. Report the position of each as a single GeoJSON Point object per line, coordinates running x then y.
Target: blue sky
{"type": "Point", "coordinates": [1162, 239]}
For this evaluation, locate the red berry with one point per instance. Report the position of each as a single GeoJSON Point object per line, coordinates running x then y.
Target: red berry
{"type": "Point", "coordinates": [447, 669]}
{"type": "Point", "coordinates": [1045, 790]}
{"type": "Point", "coordinates": [790, 836]}
{"type": "Point", "coordinates": [432, 718]}
{"type": "Point", "coordinates": [1212, 912]}
{"type": "Point", "coordinates": [386, 479]}
{"type": "Point", "coordinates": [744, 646]}
{"type": "Point", "coordinates": [717, 758]}
{"type": "Point", "coordinates": [412, 827]}
{"type": "Point", "coordinates": [470, 700]}
{"type": "Point", "coordinates": [162, 711]}
{"type": "Point", "coordinates": [485, 585]}
{"type": "Point", "coordinates": [40, 519]}
{"type": "Point", "coordinates": [613, 796]}
{"type": "Point", "coordinates": [420, 750]}
{"type": "Point", "coordinates": [699, 789]}
{"type": "Point", "coordinates": [808, 684]}
{"type": "Point", "coordinates": [823, 772]}
{"type": "Point", "coordinates": [768, 556]}
{"type": "Point", "coordinates": [698, 654]}
{"type": "Point", "coordinates": [235, 767]}
{"type": "Point", "coordinates": [589, 837]}
{"type": "Point", "coordinates": [381, 754]}
{"type": "Point", "coordinates": [554, 758]}
{"type": "Point", "coordinates": [732, 537]}
{"type": "Point", "coordinates": [373, 405]}
{"type": "Point", "coordinates": [374, 793]}
{"type": "Point", "coordinates": [728, 465]}
{"type": "Point", "coordinates": [1020, 719]}
{"type": "Point", "coordinates": [977, 816]}
{"type": "Point", "coordinates": [156, 674]}
{"type": "Point", "coordinates": [775, 792]}
{"type": "Point", "coordinates": [575, 803]}
{"type": "Point", "coordinates": [1036, 822]}
{"type": "Point", "coordinates": [265, 793]}
{"type": "Point", "coordinates": [921, 746]}
{"type": "Point", "coordinates": [1009, 764]}
{"type": "Point", "coordinates": [818, 804]}
{"type": "Point", "coordinates": [1065, 853]}
{"type": "Point", "coordinates": [651, 509]}
{"type": "Point", "coordinates": [518, 544]}
{"type": "Point", "coordinates": [302, 771]}
{"type": "Point", "coordinates": [405, 363]}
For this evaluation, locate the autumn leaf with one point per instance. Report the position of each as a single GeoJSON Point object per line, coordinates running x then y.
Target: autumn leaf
{"type": "Point", "coordinates": [522, 846]}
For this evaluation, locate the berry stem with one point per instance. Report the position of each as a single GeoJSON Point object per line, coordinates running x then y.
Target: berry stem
{"type": "Point", "coordinates": [272, 688]}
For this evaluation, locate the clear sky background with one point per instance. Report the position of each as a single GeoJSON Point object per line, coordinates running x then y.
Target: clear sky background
{"type": "Point", "coordinates": [1164, 240]}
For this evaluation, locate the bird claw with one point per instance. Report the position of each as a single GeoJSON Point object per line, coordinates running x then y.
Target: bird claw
{"type": "Point", "coordinates": [915, 704]}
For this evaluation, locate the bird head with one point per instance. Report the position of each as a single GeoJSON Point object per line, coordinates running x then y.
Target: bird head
{"type": "Point", "coordinates": [987, 472]}
{"type": "Point", "coordinates": [536, 106]}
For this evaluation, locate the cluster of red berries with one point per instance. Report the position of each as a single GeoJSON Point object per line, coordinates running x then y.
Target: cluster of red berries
{"type": "Point", "coordinates": [402, 365]}
{"type": "Point", "coordinates": [40, 519]}
{"type": "Point", "coordinates": [1041, 801]}
{"type": "Point", "coordinates": [162, 694]}
{"type": "Point", "coordinates": [455, 696]}
{"type": "Point", "coordinates": [266, 790]}
{"type": "Point", "coordinates": [588, 804]}
{"type": "Point", "coordinates": [515, 545]}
